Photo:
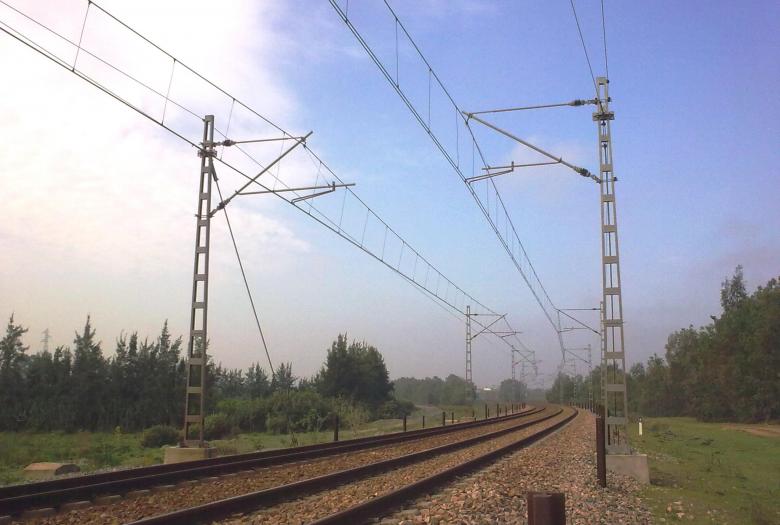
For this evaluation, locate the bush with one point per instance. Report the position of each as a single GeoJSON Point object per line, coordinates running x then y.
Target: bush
{"type": "Point", "coordinates": [159, 435]}
{"type": "Point", "coordinates": [217, 426]}
{"type": "Point", "coordinates": [247, 415]}
{"type": "Point", "coordinates": [298, 411]}
{"type": "Point", "coordinates": [395, 409]}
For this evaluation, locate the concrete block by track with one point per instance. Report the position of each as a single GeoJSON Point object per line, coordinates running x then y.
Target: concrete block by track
{"type": "Point", "coordinates": [632, 465]}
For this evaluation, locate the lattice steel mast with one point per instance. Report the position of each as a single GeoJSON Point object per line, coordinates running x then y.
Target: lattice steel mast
{"type": "Point", "coordinates": [614, 357]}
{"type": "Point", "coordinates": [196, 345]}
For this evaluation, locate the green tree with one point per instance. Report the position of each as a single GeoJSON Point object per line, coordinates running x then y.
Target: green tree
{"type": "Point", "coordinates": [13, 359]}
{"type": "Point", "coordinates": [283, 379]}
{"type": "Point", "coordinates": [732, 291]}
{"type": "Point", "coordinates": [512, 391]}
{"type": "Point", "coordinates": [257, 383]}
{"type": "Point", "coordinates": [89, 379]}
{"type": "Point", "coordinates": [355, 372]}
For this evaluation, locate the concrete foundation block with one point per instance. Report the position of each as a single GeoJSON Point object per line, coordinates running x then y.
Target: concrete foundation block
{"type": "Point", "coordinates": [181, 454]}
{"type": "Point", "coordinates": [163, 488]}
{"type": "Point", "coordinates": [47, 470]}
{"type": "Point", "coordinates": [633, 465]}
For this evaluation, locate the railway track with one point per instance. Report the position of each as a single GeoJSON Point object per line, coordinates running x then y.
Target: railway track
{"type": "Point", "coordinates": [43, 498]}
{"type": "Point", "coordinates": [362, 493]}
{"type": "Point", "coordinates": [345, 488]}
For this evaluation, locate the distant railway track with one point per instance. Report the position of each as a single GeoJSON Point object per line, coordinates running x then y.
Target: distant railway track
{"type": "Point", "coordinates": [66, 493]}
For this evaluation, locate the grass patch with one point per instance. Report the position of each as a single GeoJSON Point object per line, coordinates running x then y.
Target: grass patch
{"type": "Point", "coordinates": [99, 450]}
{"type": "Point", "coordinates": [90, 450]}
{"type": "Point", "coordinates": [710, 472]}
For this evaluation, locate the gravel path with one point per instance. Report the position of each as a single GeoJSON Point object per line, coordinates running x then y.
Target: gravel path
{"type": "Point", "coordinates": [563, 462]}
{"type": "Point", "coordinates": [211, 489]}
{"type": "Point", "coordinates": [328, 502]}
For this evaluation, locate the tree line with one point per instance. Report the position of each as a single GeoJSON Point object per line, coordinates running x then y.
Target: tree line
{"type": "Point", "coordinates": [143, 382]}
{"type": "Point", "coordinates": [728, 369]}
{"type": "Point", "coordinates": [455, 390]}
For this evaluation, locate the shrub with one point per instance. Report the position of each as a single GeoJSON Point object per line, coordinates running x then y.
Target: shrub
{"type": "Point", "coordinates": [351, 414]}
{"type": "Point", "coordinates": [298, 411]}
{"type": "Point", "coordinates": [217, 426]}
{"type": "Point", "coordinates": [395, 409]}
{"type": "Point", "coordinates": [159, 435]}
{"type": "Point", "coordinates": [248, 415]}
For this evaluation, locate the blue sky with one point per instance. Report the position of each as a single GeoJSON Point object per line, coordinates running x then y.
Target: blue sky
{"type": "Point", "coordinates": [695, 144]}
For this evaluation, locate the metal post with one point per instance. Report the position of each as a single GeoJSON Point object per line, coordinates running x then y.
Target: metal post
{"type": "Point", "coordinates": [336, 428]}
{"type": "Point", "coordinates": [592, 382]}
{"type": "Point", "coordinates": [487, 411]}
{"type": "Point", "coordinates": [614, 363]}
{"type": "Point", "coordinates": [469, 382]}
{"type": "Point", "coordinates": [194, 401]}
{"type": "Point", "coordinates": [563, 361]}
{"type": "Point", "coordinates": [443, 418]}
{"type": "Point", "coordinates": [498, 410]}
{"type": "Point", "coordinates": [404, 423]}
{"type": "Point", "coordinates": [423, 422]}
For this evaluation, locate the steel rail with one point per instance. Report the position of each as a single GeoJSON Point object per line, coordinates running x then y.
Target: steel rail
{"type": "Point", "coordinates": [387, 502]}
{"type": "Point", "coordinates": [267, 497]}
{"type": "Point", "coordinates": [15, 499]}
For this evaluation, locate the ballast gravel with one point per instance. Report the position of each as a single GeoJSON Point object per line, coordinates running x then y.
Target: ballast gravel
{"type": "Point", "coordinates": [322, 504]}
{"type": "Point", "coordinates": [187, 494]}
{"type": "Point", "coordinates": [563, 462]}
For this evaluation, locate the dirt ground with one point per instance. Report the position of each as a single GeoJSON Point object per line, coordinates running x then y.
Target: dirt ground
{"type": "Point", "coordinates": [756, 430]}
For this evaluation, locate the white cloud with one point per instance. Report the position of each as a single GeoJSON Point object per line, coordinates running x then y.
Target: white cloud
{"type": "Point", "coordinates": [92, 190]}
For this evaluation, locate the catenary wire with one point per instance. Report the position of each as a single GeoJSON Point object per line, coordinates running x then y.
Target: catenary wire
{"type": "Point", "coordinates": [52, 56]}
{"type": "Point", "coordinates": [584, 47]}
{"type": "Point", "coordinates": [604, 35]}
{"type": "Point", "coordinates": [453, 162]}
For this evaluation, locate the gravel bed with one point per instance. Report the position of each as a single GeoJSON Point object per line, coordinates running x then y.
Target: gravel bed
{"type": "Point", "coordinates": [132, 509]}
{"type": "Point", "coordinates": [563, 462]}
{"type": "Point", "coordinates": [322, 504]}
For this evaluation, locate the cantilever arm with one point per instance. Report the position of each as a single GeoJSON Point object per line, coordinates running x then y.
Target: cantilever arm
{"type": "Point", "coordinates": [581, 171]}
{"type": "Point", "coordinates": [298, 142]}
